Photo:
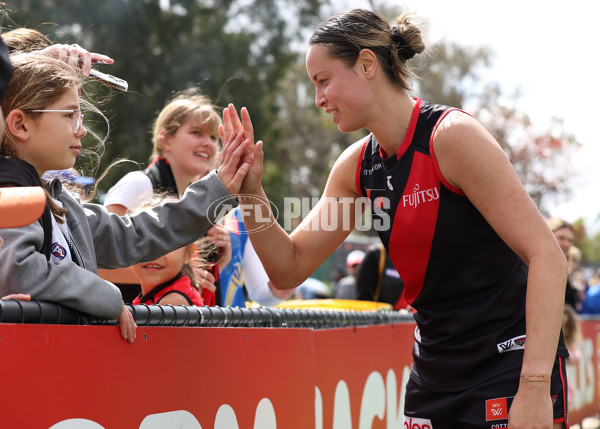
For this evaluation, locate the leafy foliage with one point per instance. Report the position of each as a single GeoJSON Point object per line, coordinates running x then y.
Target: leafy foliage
{"type": "Point", "coordinates": [540, 156]}
{"type": "Point", "coordinates": [234, 51]}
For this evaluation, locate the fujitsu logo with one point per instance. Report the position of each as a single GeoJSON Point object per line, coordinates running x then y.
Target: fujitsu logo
{"type": "Point", "coordinates": [419, 197]}
{"type": "Point", "coordinates": [416, 423]}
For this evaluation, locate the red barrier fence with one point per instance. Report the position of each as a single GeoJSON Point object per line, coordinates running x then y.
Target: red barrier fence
{"type": "Point", "coordinates": [67, 377]}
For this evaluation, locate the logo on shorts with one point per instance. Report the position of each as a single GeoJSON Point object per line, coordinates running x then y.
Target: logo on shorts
{"type": "Point", "coordinates": [58, 251]}
{"type": "Point", "coordinates": [554, 399]}
{"type": "Point", "coordinates": [416, 423]}
{"type": "Point", "coordinates": [496, 409]}
{"type": "Point", "coordinates": [516, 343]}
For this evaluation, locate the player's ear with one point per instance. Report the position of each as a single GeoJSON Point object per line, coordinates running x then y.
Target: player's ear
{"type": "Point", "coordinates": [367, 62]}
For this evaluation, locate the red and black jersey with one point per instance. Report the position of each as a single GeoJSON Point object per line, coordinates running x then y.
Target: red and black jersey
{"type": "Point", "coordinates": [179, 284]}
{"type": "Point", "coordinates": [467, 286]}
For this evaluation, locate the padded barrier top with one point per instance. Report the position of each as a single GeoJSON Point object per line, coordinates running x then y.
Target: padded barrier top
{"type": "Point", "coordinates": [14, 311]}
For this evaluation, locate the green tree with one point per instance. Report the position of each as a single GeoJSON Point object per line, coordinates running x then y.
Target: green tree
{"type": "Point", "coordinates": [250, 54]}
{"type": "Point", "coordinates": [234, 51]}
{"type": "Point", "coordinates": [449, 74]}
{"type": "Point", "coordinates": [588, 244]}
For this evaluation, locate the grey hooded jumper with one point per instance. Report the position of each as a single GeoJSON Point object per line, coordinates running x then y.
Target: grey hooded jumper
{"type": "Point", "coordinates": [105, 240]}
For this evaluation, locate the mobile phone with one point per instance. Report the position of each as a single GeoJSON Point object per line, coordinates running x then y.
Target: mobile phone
{"type": "Point", "coordinates": [109, 80]}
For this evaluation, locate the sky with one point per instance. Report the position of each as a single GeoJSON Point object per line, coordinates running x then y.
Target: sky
{"type": "Point", "coordinates": [549, 51]}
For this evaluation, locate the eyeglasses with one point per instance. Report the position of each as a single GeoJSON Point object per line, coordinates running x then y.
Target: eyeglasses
{"type": "Point", "coordinates": [77, 116]}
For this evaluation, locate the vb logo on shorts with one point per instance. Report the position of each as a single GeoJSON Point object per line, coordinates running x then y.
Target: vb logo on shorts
{"type": "Point", "coordinates": [516, 343]}
{"type": "Point", "coordinates": [496, 409]}
{"type": "Point", "coordinates": [416, 423]}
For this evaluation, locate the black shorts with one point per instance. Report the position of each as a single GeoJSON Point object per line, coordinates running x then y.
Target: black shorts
{"type": "Point", "coordinates": [483, 406]}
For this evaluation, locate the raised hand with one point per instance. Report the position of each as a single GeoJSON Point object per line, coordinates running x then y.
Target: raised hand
{"type": "Point", "coordinates": [76, 56]}
{"type": "Point", "coordinates": [231, 125]}
{"type": "Point", "coordinates": [235, 161]}
{"type": "Point", "coordinates": [219, 236]}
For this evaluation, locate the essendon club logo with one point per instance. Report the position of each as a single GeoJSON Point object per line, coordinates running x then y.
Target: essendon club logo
{"type": "Point", "coordinates": [380, 202]}
{"type": "Point", "coordinates": [58, 251]}
{"type": "Point", "coordinates": [496, 409]}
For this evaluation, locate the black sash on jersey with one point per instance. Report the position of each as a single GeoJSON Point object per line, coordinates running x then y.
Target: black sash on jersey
{"type": "Point", "coordinates": [161, 176]}
{"type": "Point", "coordinates": [152, 294]}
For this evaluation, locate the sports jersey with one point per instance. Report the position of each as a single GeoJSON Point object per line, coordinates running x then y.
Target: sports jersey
{"type": "Point", "coordinates": [231, 277]}
{"type": "Point", "coordinates": [179, 284]}
{"type": "Point", "coordinates": [467, 286]}
{"type": "Point", "coordinates": [244, 278]}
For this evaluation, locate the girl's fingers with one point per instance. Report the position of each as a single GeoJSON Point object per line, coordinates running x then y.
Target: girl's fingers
{"type": "Point", "coordinates": [225, 128]}
{"type": "Point", "coordinates": [74, 53]}
{"type": "Point", "coordinates": [229, 150]}
{"type": "Point", "coordinates": [100, 59]}
{"type": "Point", "coordinates": [247, 123]}
{"type": "Point", "coordinates": [235, 119]}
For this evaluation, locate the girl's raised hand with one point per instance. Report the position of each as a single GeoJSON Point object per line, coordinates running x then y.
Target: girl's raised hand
{"type": "Point", "coordinates": [232, 123]}
{"type": "Point", "coordinates": [253, 156]}
{"type": "Point", "coordinates": [76, 56]}
{"type": "Point", "coordinates": [235, 161]}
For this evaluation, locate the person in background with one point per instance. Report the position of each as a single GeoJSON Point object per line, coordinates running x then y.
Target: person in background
{"type": "Point", "coordinates": [164, 280]}
{"type": "Point", "coordinates": [312, 288]}
{"type": "Point", "coordinates": [480, 265]}
{"type": "Point", "coordinates": [170, 279]}
{"type": "Point", "coordinates": [591, 300]}
{"type": "Point", "coordinates": [571, 327]}
{"type": "Point", "coordinates": [346, 287]}
{"type": "Point", "coordinates": [378, 279]}
{"type": "Point", "coordinates": [185, 147]}
{"type": "Point", "coordinates": [576, 276]}
{"type": "Point", "coordinates": [56, 259]}
{"type": "Point", "coordinates": [244, 278]}
{"type": "Point", "coordinates": [185, 139]}
{"type": "Point", "coordinates": [565, 235]}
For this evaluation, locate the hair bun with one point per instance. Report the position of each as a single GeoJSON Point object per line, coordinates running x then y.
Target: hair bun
{"type": "Point", "coordinates": [403, 49]}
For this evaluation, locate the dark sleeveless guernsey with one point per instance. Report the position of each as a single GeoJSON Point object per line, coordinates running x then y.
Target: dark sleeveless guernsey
{"type": "Point", "coordinates": [467, 286]}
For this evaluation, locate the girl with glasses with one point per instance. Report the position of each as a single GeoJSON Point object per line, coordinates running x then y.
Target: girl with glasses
{"type": "Point", "coordinates": [56, 259]}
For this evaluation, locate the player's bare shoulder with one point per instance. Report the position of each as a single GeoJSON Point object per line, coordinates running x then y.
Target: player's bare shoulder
{"type": "Point", "coordinates": [343, 173]}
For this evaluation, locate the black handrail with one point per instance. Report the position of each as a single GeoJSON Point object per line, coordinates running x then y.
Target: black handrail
{"type": "Point", "coordinates": [41, 312]}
